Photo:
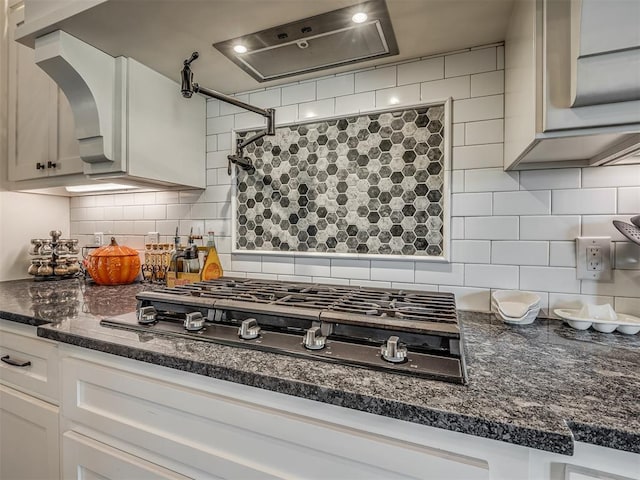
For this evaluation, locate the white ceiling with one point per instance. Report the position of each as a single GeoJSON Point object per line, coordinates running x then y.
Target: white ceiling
{"type": "Point", "coordinates": [162, 33]}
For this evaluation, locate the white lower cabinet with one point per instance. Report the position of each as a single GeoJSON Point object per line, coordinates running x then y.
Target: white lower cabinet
{"type": "Point", "coordinates": [87, 459]}
{"type": "Point", "coordinates": [29, 433]}
{"type": "Point", "coordinates": [169, 423]}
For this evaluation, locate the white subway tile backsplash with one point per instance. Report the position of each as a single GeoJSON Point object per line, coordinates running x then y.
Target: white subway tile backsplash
{"type": "Point", "coordinates": [479, 108]}
{"type": "Point", "coordinates": [228, 109]}
{"type": "Point", "coordinates": [478, 156]}
{"type": "Point", "coordinates": [474, 299]}
{"type": "Point", "coordinates": [246, 263]}
{"type": "Point", "coordinates": [628, 305]}
{"type": "Point", "coordinates": [500, 58]}
{"type": "Point", "coordinates": [550, 227]}
{"type": "Point", "coordinates": [522, 203]}
{"type": "Point", "coordinates": [602, 226]}
{"type": "Point", "coordinates": [520, 253]}
{"type": "Point", "coordinates": [625, 283]}
{"type": "Point", "coordinates": [549, 279]}
{"type": "Point", "coordinates": [614, 176]}
{"type": "Point", "coordinates": [393, 271]}
{"type": "Point", "coordinates": [470, 251]}
{"type": "Point", "coordinates": [585, 201]}
{"type": "Point", "coordinates": [213, 108]}
{"type": "Point", "coordinates": [350, 268]}
{"type": "Point", "coordinates": [490, 179]}
{"type": "Point", "coordinates": [456, 88]}
{"type": "Point", "coordinates": [562, 254]}
{"type": "Point", "coordinates": [421, 71]}
{"type": "Point", "coordinates": [457, 181]}
{"type": "Point", "coordinates": [550, 179]}
{"type": "Point", "coordinates": [458, 135]}
{"type": "Point", "coordinates": [440, 273]}
{"type": "Point", "coordinates": [360, 102]}
{"type": "Point", "coordinates": [217, 125]}
{"type": "Point", "coordinates": [490, 83]}
{"type": "Point", "coordinates": [313, 267]}
{"type": "Point", "coordinates": [278, 265]}
{"type": "Point", "coordinates": [508, 230]}
{"type": "Point", "coordinates": [266, 99]}
{"type": "Point", "coordinates": [471, 204]}
{"type": "Point", "coordinates": [629, 200]}
{"type": "Point", "coordinates": [321, 108]}
{"type": "Point", "coordinates": [474, 61]}
{"type": "Point", "coordinates": [491, 228]}
{"type": "Point", "coordinates": [287, 114]}
{"type": "Point", "coordinates": [133, 212]}
{"type": "Point", "coordinates": [298, 93]}
{"type": "Point", "coordinates": [457, 228]}
{"type": "Point", "coordinates": [486, 131]}
{"type": "Point", "coordinates": [375, 79]}
{"type": "Point", "coordinates": [405, 95]}
{"type": "Point", "coordinates": [336, 86]}
{"type": "Point", "coordinates": [369, 284]}
{"type": "Point", "coordinates": [627, 256]}
{"type": "Point", "coordinates": [491, 276]}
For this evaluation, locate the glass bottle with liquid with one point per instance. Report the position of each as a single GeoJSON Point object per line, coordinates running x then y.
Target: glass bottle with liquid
{"type": "Point", "coordinates": [212, 267]}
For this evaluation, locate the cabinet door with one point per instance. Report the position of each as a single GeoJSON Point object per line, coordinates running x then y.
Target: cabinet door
{"type": "Point", "coordinates": [41, 130]}
{"type": "Point", "coordinates": [29, 448]}
{"type": "Point", "coordinates": [88, 459]}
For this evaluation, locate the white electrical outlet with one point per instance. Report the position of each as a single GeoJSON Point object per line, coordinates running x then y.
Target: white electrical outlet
{"type": "Point", "coordinates": [153, 237]}
{"type": "Point", "coordinates": [98, 238]}
{"type": "Point", "coordinates": [593, 258]}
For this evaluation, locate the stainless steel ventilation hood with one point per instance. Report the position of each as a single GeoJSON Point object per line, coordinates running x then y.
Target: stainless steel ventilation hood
{"type": "Point", "coordinates": [132, 124]}
{"type": "Point", "coordinates": [332, 39]}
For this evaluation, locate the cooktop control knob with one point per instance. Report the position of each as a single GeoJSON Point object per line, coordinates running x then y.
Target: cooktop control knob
{"type": "Point", "coordinates": [392, 352]}
{"type": "Point", "coordinates": [249, 329]}
{"type": "Point", "coordinates": [194, 322]}
{"type": "Point", "coordinates": [146, 315]}
{"type": "Point", "coordinates": [313, 339]}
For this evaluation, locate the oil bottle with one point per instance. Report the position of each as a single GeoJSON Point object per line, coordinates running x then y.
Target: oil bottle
{"type": "Point", "coordinates": [212, 267]}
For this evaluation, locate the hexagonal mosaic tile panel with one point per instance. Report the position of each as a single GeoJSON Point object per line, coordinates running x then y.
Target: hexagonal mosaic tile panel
{"type": "Point", "coordinates": [368, 184]}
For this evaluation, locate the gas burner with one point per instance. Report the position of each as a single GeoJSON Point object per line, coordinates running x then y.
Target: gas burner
{"type": "Point", "coordinates": [401, 331]}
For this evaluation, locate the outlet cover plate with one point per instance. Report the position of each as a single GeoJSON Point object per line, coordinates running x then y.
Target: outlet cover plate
{"type": "Point", "coordinates": [593, 258]}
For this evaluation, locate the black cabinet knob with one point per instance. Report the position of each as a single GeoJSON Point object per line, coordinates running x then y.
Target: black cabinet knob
{"type": "Point", "coordinates": [40, 166]}
{"type": "Point", "coordinates": [51, 164]}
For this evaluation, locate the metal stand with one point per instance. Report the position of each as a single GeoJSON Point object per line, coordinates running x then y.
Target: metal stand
{"type": "Point", "coordinates": [189, 87]}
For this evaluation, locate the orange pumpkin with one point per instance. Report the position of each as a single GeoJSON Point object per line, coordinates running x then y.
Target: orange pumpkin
{"type": "Point", "coordinates": [113, 264]}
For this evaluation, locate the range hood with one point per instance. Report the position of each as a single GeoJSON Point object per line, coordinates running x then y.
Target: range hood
{"type": "Point", "coordinates": [132, 124]}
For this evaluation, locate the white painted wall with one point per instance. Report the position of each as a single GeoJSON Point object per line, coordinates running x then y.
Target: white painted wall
{"type": "Point", "coordinates": [24, 216]}
{"type": "Point", "coordinates": [509, 230]}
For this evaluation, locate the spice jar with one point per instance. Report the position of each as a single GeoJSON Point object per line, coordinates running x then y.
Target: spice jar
{"type": "Point", "coordinates": [33, 268]}
{"type": "Point", "coordinates": [61, 267]}
{"type": "Point", "coordinates": [45, 269]}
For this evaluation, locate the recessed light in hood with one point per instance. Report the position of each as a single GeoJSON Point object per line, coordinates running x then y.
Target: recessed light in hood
{"type": "Point", "coordinates": [98, 187]}
{"type": "Point", "coordinates": [340, 37]}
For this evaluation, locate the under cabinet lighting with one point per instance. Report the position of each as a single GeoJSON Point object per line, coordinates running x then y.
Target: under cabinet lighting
{"type": "Point", "coordinates": [97, 187]}
{"type": "Point", "coordinates": [359, 17]}
{"type": "Point", "coordinates": [240, 49]}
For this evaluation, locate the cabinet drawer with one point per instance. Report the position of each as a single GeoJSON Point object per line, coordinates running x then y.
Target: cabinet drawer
{"type": "Point", "coordinates": [233, 438]}
{"type": "Point", "coordinates": [87, 459]}
{"type": "Point", "coordinates": [29, 364]}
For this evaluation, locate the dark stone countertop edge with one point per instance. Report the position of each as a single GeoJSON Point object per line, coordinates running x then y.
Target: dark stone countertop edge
{"type": "Point", "coordinates": [605, 437]}
{"type": "Point", "coordinates": [25, 319]}
{"type": "Point", "coordinates": [476, 426]}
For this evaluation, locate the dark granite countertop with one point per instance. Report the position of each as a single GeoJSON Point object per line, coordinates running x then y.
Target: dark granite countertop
{"type": "Point", "coordinates": [542, 386]}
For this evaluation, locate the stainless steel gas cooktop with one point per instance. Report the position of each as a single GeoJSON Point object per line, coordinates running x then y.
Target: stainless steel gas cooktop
{"type": "Point", "coordinates": [403, 331]}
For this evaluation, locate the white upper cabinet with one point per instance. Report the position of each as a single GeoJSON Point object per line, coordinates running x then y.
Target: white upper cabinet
{"type": "Point", "coordinates": [41, 140]}
{"type": "Point", "coordinates": [572, 83]}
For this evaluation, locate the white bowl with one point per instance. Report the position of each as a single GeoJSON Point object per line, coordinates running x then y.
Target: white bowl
{"type": "Point", "coordinates": [529, 299]}
{"type": "Point", "coordinates": [604, 327]}
{"type": "Point", "coordinates": [628, 329]}
{"type": "Point", "coordinates": [579, 324]}
{"type": "Point", "coordinates": [526, 319]}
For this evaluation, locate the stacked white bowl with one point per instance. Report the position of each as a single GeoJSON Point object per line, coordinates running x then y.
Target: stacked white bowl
{"type": "Point", "coordinates": [515, 307]}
